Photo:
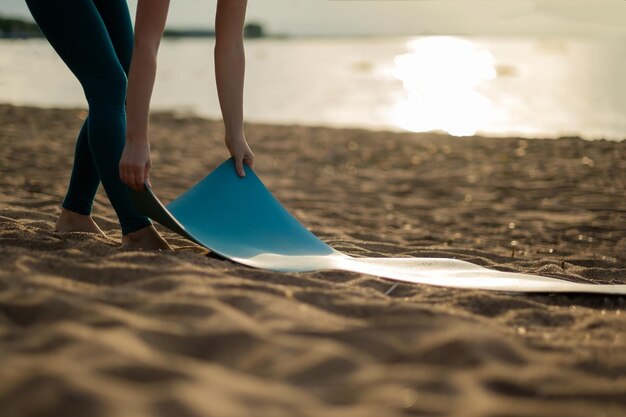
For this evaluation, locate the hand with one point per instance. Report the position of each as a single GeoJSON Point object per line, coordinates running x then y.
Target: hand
{"type": "Point", "coordinates": [135, 164]}
{"type": "Point", "coordinates": [241, 153]}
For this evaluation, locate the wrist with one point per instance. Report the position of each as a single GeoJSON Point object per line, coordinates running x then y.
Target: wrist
{"type": "Point", "coordinates": [136, 139]}
{"type": "Point", "coordinates": [234, 137]}
{"type": "Point", "coordinates": [233, 129]}
{"type": "Point", "coordinates": [136, 134]}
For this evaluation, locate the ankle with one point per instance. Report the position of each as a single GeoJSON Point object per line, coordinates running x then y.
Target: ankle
{"type": "Point", "coordinates": [145, 238]}
{"type": "Point", "coordinates": [139, 235]}
{"type": "Point", "coordinates": [67, 213]}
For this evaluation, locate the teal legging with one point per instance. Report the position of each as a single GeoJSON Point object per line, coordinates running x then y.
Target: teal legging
{"type": "Point", "coordinates": [95, 39]}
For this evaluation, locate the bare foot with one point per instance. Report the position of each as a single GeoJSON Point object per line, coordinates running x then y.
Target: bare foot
{"type": "Point", "coordinates": [70, 221]}
{"type": "Point", "coordinates": [146, 238]}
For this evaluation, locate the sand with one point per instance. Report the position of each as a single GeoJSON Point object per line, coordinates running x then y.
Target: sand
{"type": "Point", "coordinates": [90, 329]}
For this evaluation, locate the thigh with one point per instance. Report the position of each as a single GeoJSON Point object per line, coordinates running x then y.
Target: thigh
{"type": "Point", "coordinates": [116, 18]}
{"type": "Point", "coordinates": [78, 34]}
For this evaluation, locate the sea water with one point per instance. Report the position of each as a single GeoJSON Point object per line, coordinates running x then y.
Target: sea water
{"type": "Point", "coordinates": [532, 87]}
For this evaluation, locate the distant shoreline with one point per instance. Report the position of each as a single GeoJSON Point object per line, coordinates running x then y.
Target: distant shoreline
{"type": "Point", "coordinates": [19, 28]}
{"type": "Point", "coordinates": [15, 28]}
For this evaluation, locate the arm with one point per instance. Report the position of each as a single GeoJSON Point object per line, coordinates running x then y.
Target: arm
{"type": "Point", "coordinates": [229, 75]}
{"type": "Point", "coordinates": [149, 25]}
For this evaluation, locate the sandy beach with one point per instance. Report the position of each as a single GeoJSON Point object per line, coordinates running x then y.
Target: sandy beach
{"type": "Point", "coordinates": [90, 329]}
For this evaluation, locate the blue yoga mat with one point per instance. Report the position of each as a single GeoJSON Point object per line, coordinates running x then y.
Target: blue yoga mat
{"type": "Point", "coordinates": [240, 219]}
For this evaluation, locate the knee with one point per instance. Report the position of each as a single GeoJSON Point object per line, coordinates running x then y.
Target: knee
{"type": "Point", "coordinates": [107, 90]}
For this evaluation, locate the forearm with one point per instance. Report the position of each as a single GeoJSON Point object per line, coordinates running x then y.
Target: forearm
{"type": "Point", "coordinates": [149, 25]}
{"type": "Point", "coordinates": [141, 79]}
{"type": "Point", "coordinates": [229, 76]}
{"type": "Point", "coordinates": [230, 63]}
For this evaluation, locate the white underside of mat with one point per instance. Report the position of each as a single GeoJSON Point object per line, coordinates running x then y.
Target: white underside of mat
{"type": "Point", "coordinates": [444, 272]}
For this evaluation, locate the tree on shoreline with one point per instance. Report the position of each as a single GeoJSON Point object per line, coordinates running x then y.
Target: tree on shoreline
{"type": "Point", "coordinates": [16, 28]}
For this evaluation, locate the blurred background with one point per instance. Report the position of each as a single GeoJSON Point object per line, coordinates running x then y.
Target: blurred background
{"type": "Point", "coordinates": [531, 68]}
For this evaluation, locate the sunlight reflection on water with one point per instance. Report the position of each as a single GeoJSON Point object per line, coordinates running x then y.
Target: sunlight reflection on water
{"type": "Point", "coordinates": [440, 76]}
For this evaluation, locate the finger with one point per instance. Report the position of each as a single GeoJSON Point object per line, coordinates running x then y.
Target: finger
{"type": "Point", "coordinates": [239, 167]}
{"type": "Point", "coordinates": [251, 162]}
{"type": "Point", "coordinates": [146, 174]}
{"type": "Point", "coordinates": [131, 177]}
{"type": "Point", "coordinates": [139, 178]}
{"type": "Point", "coordinates": [124, 176]}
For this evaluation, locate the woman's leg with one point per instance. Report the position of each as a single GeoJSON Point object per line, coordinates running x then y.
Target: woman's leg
{"type": "Point", "coordinates": [84, 180]}
{"type": "Point", "coordinates": [75, 215]}
{"type": "Point", "coordinates": [76, 30]}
